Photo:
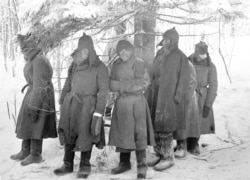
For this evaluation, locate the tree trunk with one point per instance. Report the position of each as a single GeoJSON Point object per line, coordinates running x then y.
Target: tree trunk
{"type": "Point", "coordinates": [144, 40]}
{"type": "Point", "coordinates": [11, 34]}
{"type": "Point", "coordinates": [4, 38]}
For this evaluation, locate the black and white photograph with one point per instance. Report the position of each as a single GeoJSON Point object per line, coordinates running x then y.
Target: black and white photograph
{"type": "Point", "coordinates": [125, 89]}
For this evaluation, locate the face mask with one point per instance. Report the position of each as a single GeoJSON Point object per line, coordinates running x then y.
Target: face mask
{"type": "Point", "coordinates": [204, 56]}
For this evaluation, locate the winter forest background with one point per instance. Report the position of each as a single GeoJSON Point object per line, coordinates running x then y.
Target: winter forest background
{"type": "Point", "coordinates": [57, 25]}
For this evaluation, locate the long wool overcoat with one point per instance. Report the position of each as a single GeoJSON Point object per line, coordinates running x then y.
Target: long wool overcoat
{"type": "Point", "coordinates": [39, 98]}
{"type": "Point", "coordinates": [84, 93]}
{"type": "Point", "coordinates": [192, 112]}
{"type": "Point", "coordinates": [131, 126]}
{"type": "Point", "coordinates": [170, 77]}
{"type": "Point", "coordinates": [206, 91]}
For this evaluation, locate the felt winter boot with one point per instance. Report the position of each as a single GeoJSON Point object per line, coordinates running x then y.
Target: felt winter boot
{"type": "Point", "coordinates": [35, 154]}
{"type": "Point", "coordinates": [85, 166]}
{"type": "Point", "coordinates": [124, 164]}
{"type": "Point", "coordinates": [164, 164]}
{"type": "Point", "coordinates": [25, 151]}
{"type": "Point", "coordinates": [68, 161]}
{"type": "Point", "coordinates": [154, 160]}
{"type": "Point", "coordinates": [141, 164]}
{"type": "Point", "coordinates": [181, 150]}
{"type": "Point", "coordinates": [167, 153]}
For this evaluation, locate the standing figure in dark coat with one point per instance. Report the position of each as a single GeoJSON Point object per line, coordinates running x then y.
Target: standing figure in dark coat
{"type": "Point", "coordinates": [170, 77]}
{"type": "Point", "coordinates": [131, 126]}
{"type": "Point", "coordinates": [206, 91]}
{"type": "Point", "coordinates": [192, 129]}
{"type": "Point", "coordinates": [83, 101]}
{"type": "Point", "coordinates": [37, 118]}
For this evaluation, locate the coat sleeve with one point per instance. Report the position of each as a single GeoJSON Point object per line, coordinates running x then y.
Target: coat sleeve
{"type": "Point", "coordinates": [183, 81]}
{"type": "Point", "coordinates": [103, 88]}
{"type": "Point", "coordinates": [212, 86]}
{"type": "Point", "coordinates": [41, 76]}
{"type": "Point", "coordinates": [67, 84]}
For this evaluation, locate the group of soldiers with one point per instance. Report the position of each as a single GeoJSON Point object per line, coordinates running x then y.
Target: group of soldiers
{"type": "Point", "coordinates": [170, 100]}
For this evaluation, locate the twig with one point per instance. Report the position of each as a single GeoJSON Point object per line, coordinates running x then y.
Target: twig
{"type": "Point", "coordinates": [222, 57]}
{"type": "Point", "coordinates": [14, 119]}
{"type": "Point", "coordinates": [225, 65]}
{"type": "Point", "coordinates": [8, 109]}
{"type": "Point", "coordinates": [15, 103]}
{"type": "Point", "coordinates": [200, 158]}
{"type": "Point", "coordinates": [185, 23]}
{"type": "Point", "coordinates": [213, 150]}
{"type": "Point", "coordinates": [226, 141]}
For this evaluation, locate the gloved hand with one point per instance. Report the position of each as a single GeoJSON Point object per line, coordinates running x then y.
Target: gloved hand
{"type": "Point", "coordinates": [206, 111]}
{"type": "Point", "coordinates": [34, 115]}
{"type": "Point", "coordinates": [96, 124]}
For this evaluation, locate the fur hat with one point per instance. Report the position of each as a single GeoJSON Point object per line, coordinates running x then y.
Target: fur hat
{"type": "Point", "coordinates": [124, 44]}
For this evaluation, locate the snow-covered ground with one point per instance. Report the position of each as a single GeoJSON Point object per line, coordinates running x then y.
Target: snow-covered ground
{"type": "Point", "coordinates": [225, 155]}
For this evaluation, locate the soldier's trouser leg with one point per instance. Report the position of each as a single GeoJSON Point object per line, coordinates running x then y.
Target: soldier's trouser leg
{"type": "Point", "coordinates": [141, 164]}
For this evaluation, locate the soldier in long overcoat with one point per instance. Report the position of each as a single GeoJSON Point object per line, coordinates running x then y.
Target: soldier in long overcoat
{"type": "Point", "coordinates": [83, 101]}
{"type": "Point", "coordinates": [206, 91]}
{"type": "Point", "coordinates": [131, 126]}
{"type": "Point", "coordinates": [170, 77]}
{"type": "Point", "coordinates": [36, 118]}
{"type": "Point", "coordinates": [192, 129]}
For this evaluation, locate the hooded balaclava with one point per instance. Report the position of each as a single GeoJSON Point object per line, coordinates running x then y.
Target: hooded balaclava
{"type": "Point", "coordinates": [171, 34]}
{"type": "Point", "coordinates": [86, 42]}
{"type": "Point", "coordinates": [124, 44]}
{"type": "Point", "coordinates": [28, 46]}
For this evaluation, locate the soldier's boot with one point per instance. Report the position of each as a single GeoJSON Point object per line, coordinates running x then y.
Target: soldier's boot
{"type": "Point", "coordinates": [164, 164]}
{"type": "Point", "coordinates": [167, 159]}
{"type": "Point", "coordinates": [181, 150]}
{"type": "Point", "coordinates": [124, 164]}
{"type": "Point", "coordinates": [195, 149]}
{"type": "Point", "coordinates": [68, 161]}
{"type": "Point", "coordinates": [35, 154]}
{"type": "Point", "coordinates": [25, 151]}
{"type": "Point", "coordinates": [154, 160]}
{"type": "Point", "coordinates": [141, 164]}
{"type": "Point", "coordinates": [85, 166]}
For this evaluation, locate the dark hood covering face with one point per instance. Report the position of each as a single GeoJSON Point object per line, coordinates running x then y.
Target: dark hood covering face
{"type": "Point", "coordinates": [86, 42]}
{"type": "Point", "coordinates": [28, 46]}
